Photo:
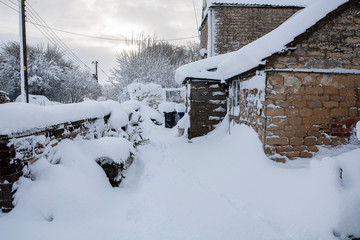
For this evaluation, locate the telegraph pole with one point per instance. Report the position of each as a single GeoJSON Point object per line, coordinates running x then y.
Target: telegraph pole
{"type": "Point", "coordinates": [96, 76]}
{"type": "Point", "coordinates": [23, 55]}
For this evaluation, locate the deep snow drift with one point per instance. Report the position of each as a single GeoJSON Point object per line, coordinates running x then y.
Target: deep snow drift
{"type": "Point", "coordinates": [217, 187]}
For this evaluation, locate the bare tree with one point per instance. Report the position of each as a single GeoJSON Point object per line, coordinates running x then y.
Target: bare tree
{"type": "Point", "coordinates": [150, 61]}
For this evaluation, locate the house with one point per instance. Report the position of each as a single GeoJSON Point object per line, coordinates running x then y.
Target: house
{"type": "Point", "coordinates": [298, 86]}
{"type": "Point", "coordinates": [228, 25]}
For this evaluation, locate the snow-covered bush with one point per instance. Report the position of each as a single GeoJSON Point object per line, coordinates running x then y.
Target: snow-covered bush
{"type": "Point", "coordinates": [150, 94]}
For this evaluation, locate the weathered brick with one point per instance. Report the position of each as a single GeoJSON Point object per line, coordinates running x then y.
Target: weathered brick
{"type": "Point", "coordinates": [314, 90]}
{"type": "Point", "coordinates": [279, 121]}
{"type": "Point", "coordinates": [277, 141]}
{"type": "Point", "coordinates": [276, 80]}
{"type": "Point", "coordinates": [313, 149]}
{"type": "Point", "coordinates": [339, 112]}
{"type": "Point", "coordinates": [296, 141]}
{"type": "Point", "coordinates": [305, 112]}
{"type": "Point", "coordinates": [353, 112]}
{"type": "Point", "coordinates": [291, 111]}
{"type": "Point", "coordinates": [275, 112]}
{"type": "Point", "coordinates": [299, 104]}
{"type": "Point", "coordinates": [324, 141]}
{"type": "Point", "coordinates": [314, 104]}
{"type": "Point", "coordinates": [310, 141]}
{"type": "Point", "coordinates": [331, 90]}
{"type": "Point", "coordinates": [321, 112]}
{"type": "Point", "coordinates": [292, 154]}
{"type": "Point", "coordinates": [331, 104]}
{"type": "Point", "coordinates": [284, 148]}
{"type": "Point", "coordinates": [299, 148]}
{"type": "Point", "coordinates": [306, 154]}
{"type": "Point", "coordinates": [295, 121]}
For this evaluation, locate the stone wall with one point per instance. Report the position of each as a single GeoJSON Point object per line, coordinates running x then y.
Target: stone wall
{"type": "Point", "coordinates": [207, 106]}
{"type": "Point", "coordinates": [333, 43]}
{"type": "Point", "coordinates": [204, 31]}
{"type": "Point", "coordinates": [251, 109]}
{"type": "Point", "coordinates": [237, 26]}
{"type": "Point", "coordinates": [313, 89]}
{"type": "Point", "coordinates": [21, 149]}
{"type": "Point", "coordinates": [309, 109]}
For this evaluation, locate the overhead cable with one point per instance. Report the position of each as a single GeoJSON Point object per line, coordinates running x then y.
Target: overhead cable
{"type": "Point", "coordinates": [42, 23]}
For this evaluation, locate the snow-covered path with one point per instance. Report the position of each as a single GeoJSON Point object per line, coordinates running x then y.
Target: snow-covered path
{"type": "Point", "coordinates": [177, 183]}
{"type": "Point", "coordinates": [219, 187]}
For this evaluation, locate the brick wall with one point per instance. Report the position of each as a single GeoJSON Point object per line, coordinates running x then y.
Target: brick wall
{"type": "Point", "coordinates": [309, 109]}
{"type": "Point", "coordinates": [207, 106]}
{"type": "Point", "coordinates": [236, 27]}
{"type": "Point", "coordinates": [204, 35]}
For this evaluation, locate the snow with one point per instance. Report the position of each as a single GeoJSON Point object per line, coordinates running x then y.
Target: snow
{"type": "Point", "coordinates": [38, 100]}
{"type": "Point", "coordinates": [18, 117]}
{"type": "Point", "coordinates": [358, 130]}
{"type": "Point", "coordinates": [252, 55]}
{"type": "Point", "coordinates": [118, 149]}
{"type": "Point", "coordinates": [218, 187]}
{"type": "Point", "coordinates": [167, 107]}
{"type": "Point", "coordinates": [256, 82]}
{"type": "Point", "coordinates": [180, 107]}
{"type": "Point", "coordinates": [146, 92]}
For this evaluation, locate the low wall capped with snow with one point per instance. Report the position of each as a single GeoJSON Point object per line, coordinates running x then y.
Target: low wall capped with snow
{"type": "Point", "coordinates": [29, 132]}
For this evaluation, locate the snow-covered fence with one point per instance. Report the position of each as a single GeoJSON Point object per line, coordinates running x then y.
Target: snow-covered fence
{"type": "Point", "coordinates": [29, 132]}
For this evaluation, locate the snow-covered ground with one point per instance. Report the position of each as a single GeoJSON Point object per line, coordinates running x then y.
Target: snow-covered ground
{"type": "Point", "coordinates": [216, 187]}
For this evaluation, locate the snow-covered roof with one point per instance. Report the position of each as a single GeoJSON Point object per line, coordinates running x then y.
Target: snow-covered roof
{"type": "Point", "coordinates": [228, 65]}
{"type": "Point", "coordinates": [300, 3]}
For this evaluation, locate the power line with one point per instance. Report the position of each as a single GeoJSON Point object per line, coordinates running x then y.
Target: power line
{"type": "Point", "coordinates": [97, 37]}
{"type": "Point", "coordinates": [49, 35]}
{"type": "Point", "coordinates": [9, 6]}
{"type": "Point", "coordinates": [53, 42]}
{"type": "Point", "coordinates": [14, 3]}
{"type": "Point", "coordinates": [103, 71]}
{"type": "Point", "coordinates": [107, 38]}
{"type": "Point", "coordinates": [197, 23]}
{"type": "Point", "coordinates": [42, 23]}
{"type": "Point", "coordinates": [61, 43]}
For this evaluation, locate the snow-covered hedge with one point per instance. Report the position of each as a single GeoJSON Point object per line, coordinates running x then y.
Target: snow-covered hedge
{"type": "Point", "coordinates": [150, 94]}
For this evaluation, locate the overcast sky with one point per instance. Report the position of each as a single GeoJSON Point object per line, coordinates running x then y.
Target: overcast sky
{"type": "Point", "coordinates": [169, 19]}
